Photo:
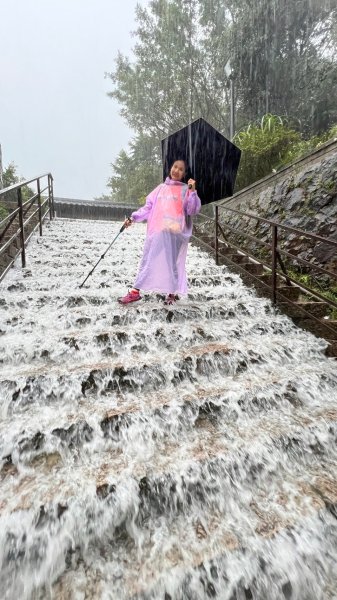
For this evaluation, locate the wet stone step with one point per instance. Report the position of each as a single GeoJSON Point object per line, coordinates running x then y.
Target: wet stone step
{"type": "Point", "coordinates": [245, 393]}
{"type": "Point", "coordinates": [118, 278]}
{"type": "Point", "coordinates": [204, 485]}
{"type": "Point", "coordinates": [254, 268]}
{"type": "Point", "coordinates": [237, 258]}
{"type": "Point", "coordinates": [209, 413]}
{"type": "Point", "coordinates": [213, 463]}
{"type": "Point", "coordinates": [84, 342]}
{"type": "Point", "coordinates": [324, 327]}
{"type": "Point", "coordinates": [317, 309]}
{"type": "Point", "coordinates": [131, 315]}
{"type": "Point", "coordinates": [207, 552]}
{"type": "Point", "coordinates": [173, 360]}
{"type": "Point", "coordinates": [106, 377]}
{"type": "Point", "coordinates": [267, 278]}
{"type": "Point", "coordinates": [213, 576]}
{"type": "Point", "coordinates": [331, 350]}
{"type": "Point", "coordinates": [208, 464]}
{"type": "Point", "coordinates": [34, 303]}
{"type": "Point", "coordinates": [52, 384]}
{"type": "Point", "coordinates": [28, 448]}
{"type": "Point", "coordinates": [290, 292]}
{"type": "Point", "coordinates": [109, 342]}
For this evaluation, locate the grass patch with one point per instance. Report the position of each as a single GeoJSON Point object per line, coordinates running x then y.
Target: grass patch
{"type": "Point", "coordinates": [322, 286]}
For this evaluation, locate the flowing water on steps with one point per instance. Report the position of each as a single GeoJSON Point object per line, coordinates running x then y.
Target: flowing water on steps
{"type": "Point", "coordinates": [184, 452]}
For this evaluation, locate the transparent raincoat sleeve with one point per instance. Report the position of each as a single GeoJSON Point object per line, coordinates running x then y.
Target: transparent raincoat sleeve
{"type": "Point", "coordinates": [192, 203]}
{"type": "Point", "coordinates": [143, 213]}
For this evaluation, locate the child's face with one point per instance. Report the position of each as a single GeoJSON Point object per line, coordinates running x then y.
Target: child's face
{"type": "Point", "coordinates": [177, 172]}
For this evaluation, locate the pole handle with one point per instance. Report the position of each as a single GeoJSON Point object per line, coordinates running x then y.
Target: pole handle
{"type": "Point", "coordinates": [124, 225]}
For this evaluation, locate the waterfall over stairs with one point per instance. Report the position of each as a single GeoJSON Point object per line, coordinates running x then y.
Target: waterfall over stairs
{"type": "Point", "coordinates": [150, 452]}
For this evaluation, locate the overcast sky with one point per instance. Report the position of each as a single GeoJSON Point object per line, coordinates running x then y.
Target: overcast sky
{"type": "Point", "coordinates": [54, 112]}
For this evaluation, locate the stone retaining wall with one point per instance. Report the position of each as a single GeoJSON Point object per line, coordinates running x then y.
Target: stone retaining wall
{"type": "Point", "coordinates": [306, 199]}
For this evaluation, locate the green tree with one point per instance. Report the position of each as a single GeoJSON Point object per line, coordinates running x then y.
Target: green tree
{"type": "Point", "coordinates": [270, 144]}
{"type": "Point", "coordinates": [264, 146]}
{"type": "Point", "coordinates": [166, 86]}
{"type": "Point", "coordinates": [11, 177]}
{"type": "Point", "coordinates": [135, 172]}
{"type": "Point", "coordinates": [283, 56]}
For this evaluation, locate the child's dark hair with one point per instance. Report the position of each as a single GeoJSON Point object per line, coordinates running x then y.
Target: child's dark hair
{"type": "Point", "coordinates": [182, 160]}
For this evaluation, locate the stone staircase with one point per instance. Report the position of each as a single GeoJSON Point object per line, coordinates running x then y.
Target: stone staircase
{"type": "Point", "coordinates": [293, 300]}
{"type": "Point", "coordinates": [153, 452]}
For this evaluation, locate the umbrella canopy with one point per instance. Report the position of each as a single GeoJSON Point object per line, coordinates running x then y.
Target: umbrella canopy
{"type": "Point", "coordinates": [212, 160]}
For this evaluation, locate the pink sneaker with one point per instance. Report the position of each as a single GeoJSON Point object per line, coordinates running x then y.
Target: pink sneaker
{"type": "Point", "coordinates": [131, 296]}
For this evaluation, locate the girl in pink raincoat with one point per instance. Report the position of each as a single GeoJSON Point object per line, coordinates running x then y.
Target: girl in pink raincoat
{"type": "Point", "coordinates": [168, 211]}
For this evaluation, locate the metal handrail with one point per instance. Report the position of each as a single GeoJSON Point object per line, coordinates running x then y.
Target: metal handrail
{"type": "Point", "coordinates": [275, 250]}
{"type": "Point", "coordinates": [282, 251]}
{"type": "Point", "coordinates": [286, 227]}
{"type": "Point", "coordinates": [10, 188]}
{"type": "Point", "coordinates": [20, 213]}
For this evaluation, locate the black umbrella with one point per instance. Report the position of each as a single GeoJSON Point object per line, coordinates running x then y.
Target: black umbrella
{"type": "Point", "coordinates": [212, 160]}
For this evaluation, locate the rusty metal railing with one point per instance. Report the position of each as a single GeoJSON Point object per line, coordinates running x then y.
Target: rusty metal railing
{"type": "Point", "coordinates": [277, 265]}
{"type": "Point", "coordinates": [220, 236]}
{"type": "Point", "coordinates": [21, 218]}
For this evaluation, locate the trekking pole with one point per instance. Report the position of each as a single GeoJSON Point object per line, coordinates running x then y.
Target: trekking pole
{"type": "Point", "coordinates": [103, 255]}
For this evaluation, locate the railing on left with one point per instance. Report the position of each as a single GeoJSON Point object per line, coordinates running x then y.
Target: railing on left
{"type": "Point", "coordinates": [25, 209]}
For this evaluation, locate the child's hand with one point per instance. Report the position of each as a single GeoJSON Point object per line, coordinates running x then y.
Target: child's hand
{"type": "Point", "coordinates": [191, 184]}
{"type": "Point", "coordinates": [127, 222]}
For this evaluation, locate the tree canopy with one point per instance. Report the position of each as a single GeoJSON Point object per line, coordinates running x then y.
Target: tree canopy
{"type": "Point", "coordinates": [283, 60]}
{"type": "Point", "coordinates": [10, 177]}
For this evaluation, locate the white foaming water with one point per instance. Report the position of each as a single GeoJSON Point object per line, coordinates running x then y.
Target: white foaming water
{"type": "Point", "coordinates": [183, 452]}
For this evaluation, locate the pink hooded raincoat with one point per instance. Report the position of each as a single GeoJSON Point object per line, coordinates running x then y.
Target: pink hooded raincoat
{"type": "Point", "coordinates": [168, 211]}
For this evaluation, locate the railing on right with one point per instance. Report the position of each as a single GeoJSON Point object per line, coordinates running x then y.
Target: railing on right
{"type": "Point", "coordinates": [25, 209]}
{"type": "Point", "coordinates": [305, 289]}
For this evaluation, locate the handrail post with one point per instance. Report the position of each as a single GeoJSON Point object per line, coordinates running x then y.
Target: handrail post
{"type": "Point", "coordinates": [39, 203]}
{"type": "Point", "coordinates": [274, 262]}
{"type": "Point", "coordinates": [22, 232]}
{"type": "Point", "coordinates": [216, 241]}
{"type": "Point", "coordinates": [52, 194]}
{"type": "Point", "coordinates": [50, 198]}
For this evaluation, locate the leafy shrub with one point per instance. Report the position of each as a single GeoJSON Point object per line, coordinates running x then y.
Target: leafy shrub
{"type": "Point", "coordinates": [264, 146]}
{"type": "Point", "coordinates": [305, 146]}
{"type": "Point", "coordinates": [270, 145]}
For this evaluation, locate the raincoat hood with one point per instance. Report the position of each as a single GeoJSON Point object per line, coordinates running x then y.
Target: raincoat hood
{"type": "Point", "coordinates": [170, 181]}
